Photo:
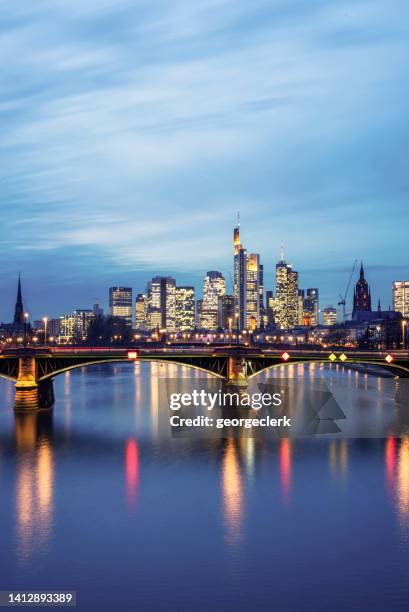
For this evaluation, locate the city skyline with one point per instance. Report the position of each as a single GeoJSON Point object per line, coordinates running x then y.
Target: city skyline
{"type": "Point", "coordinates": [123, 153]}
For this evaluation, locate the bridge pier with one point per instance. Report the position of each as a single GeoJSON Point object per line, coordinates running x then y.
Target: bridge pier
{"type": "Point", "coordinates": [237, 371]}
{"type": "Point", "coordinates": [31, 394]}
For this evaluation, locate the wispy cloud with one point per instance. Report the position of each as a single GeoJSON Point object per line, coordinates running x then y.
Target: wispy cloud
{"type": "Point", "coordinates": [132, 132]}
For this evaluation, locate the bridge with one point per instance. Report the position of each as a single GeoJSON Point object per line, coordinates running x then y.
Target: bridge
{"type": "Point", "coordinates": [34, 368]}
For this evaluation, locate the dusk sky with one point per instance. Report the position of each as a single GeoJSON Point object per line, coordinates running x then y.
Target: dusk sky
{"type": "Point", "coordinates": [132, 133]}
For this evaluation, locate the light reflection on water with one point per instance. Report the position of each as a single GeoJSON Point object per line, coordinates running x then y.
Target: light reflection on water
{"type": "Point", "coordinates": [99, 476]}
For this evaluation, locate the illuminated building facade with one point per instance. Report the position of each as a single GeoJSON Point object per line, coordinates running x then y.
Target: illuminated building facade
{"type": "Point", "coordinates": [185, 308]}
{"type": "Point", "coordinates": [82, 321]}
{"type": "Point", "coordinates": [141, 308]}
{"type": "Point", "coordinates": [330, 315]}
{"type": "Point", "coordinates": [311, 307]}
{"type": "Point", "coordinates": [286, 295]}
{"type": "Point", "coordinates": [400, 297]}
{"type": "Point", "coordinates": [214, 287]}
{"type": "Point", "coordinates": [66, 328]}
{"type": "Point", "coordinates": [253, 302]}
{"type": "Point", "coordinates": [162, 303]}
{"type": "Point", "coordinates": [120, 303]}
{"type": "Point", "coordinates": [240, 281]}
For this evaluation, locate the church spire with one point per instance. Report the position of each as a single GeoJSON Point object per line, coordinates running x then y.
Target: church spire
{"type": "Point", "coordinates": [19, 310]}
{"type": "Point", "coordinates": [361, 272]}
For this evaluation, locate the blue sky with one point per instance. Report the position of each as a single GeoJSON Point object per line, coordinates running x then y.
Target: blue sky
{"type": "Point", "coordinates": [132, 132]}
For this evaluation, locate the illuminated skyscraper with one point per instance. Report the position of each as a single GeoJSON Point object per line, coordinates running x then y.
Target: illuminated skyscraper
{"type": "Point", "coordinates": [185, 308]}
{"type": "Point", "coordinates": [162, 303]}
{"type": "Point", "coordinates": [400, 297]}
{"type": "Point", "coordinates": [82, 321]}
{"type": "Point", "coordinates": [300, 314]}
{"type": "Point", "coordinates": [120, 303]}
{"type": "Point", "coordinates": [286, 295]}
{"type": "Point", "coordinates": [240, 280]}
{"type": "Point", "coordinates": [253, 278]}
{"type": "Point", "coordinates": [214, 287]}
{"type": "Point", "coordinates": [141, 308]}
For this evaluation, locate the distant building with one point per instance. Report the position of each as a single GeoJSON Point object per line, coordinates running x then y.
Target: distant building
{"type": "Point", "coordinates": [253, 291]}
{"type": "Point", "coordinates": [82, 321]}
{"type": "Point", "coordinates": [226, 312]}
{"type": "Point", "coordinates": [286, 295]}
{"type": "Point", "coordinates": [162, 303]}
{"type": "Point", "coordinates": [120, 303]}
{"type": "Point", "coordinates": [311, 307]}
{"type": "Point", "coordinates": [330, 315]}
{"type": "Point", "coordinates": [214, 287]}
{"type": "Point", "coordinates": [141, 308]}
{"type": "Point", "coordinates": [185, 308]}
{"type": "Point", "coordinates": [240, 281]}
{"type": "Point", "coordinates": [362, 295]}
{"type": "Point", "coordinates": [400, 297]}
{"type": "Point", "coordinates": [66, 329]}
{"type": "Point", "coordinates": [97, 310]}
{"type": "Point", "coordinates": [300, 307]}
{"type": "Point", "coordinates": [199, 307]}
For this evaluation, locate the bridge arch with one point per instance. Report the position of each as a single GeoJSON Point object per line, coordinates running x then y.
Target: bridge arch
{"type": "Point", "coordinates": [68, 367]}
{"type": "Point", "coordinates": [392, 367]}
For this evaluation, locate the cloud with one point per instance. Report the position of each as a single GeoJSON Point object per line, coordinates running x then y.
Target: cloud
{"type": "Point", "coordinates": [132, 133]}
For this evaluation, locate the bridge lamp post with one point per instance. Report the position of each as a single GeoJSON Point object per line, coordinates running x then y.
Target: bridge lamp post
{"type": "Point", "coordinates": [45, 321]}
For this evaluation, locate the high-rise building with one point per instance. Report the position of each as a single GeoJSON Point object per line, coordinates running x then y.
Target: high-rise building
{"type": "Point", "coordinates": [214, 287]}
{"type": "Point", "coordinates": [226, 312]}
{"type": "Point", "coordinates": [185, 308]}
{"type": "Point", "coordinates": [311, 307]}
{"type": "Point", "coordinates": [120, 303]}
{"type": "Point", "coordinates": [263, 318]}
{"type": "Point", "coordinates": [199, 306]}
{"type": "Point", "coordinates": [300, 314]}
{"type": "Point", "coordinates": [286, 295]}
{"type": "Point", "coordinates": [82, 321]}
{"type": "Point", "coordinates": [141, 308]}
{"type": "Point", "coordinates": [362, 295]}
{"type": "Point", "coordinates": [400, 297]}
{"type": "Point", "coordinates": [270, 309]}
{"type": "Point", "coordinates": [162, 303]}
{"type": "Point", "coordinates": [240, 280]}
{"type": "Point", "coordinates": [330, 315]}
{"type": "Point", "coordinates": [253, 295]}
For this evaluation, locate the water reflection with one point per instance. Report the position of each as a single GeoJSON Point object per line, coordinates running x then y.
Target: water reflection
{"type": "Point", "coordinates": [131, 471]}
{"type": "Point", "coordinates": [402, 488]}
{"type": "Point", "coordinates": [285, 469]}
{"type": "Point", "coordinates": [34, 483]}
{"type": "Point", "coordinates": [232, 493]}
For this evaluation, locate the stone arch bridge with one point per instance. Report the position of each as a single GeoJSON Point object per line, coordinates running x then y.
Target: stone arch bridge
{"type": "Point", "coordinates": [34, 368]}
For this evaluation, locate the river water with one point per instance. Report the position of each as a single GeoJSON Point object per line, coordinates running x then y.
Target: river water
{"type": "Point", "coordinates": [99, 498]}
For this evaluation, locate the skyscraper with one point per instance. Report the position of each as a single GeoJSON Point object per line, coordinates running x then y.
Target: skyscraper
{"type": "Point", "coordinates": [214, 287]}
{"type": "Point", "coordinates": [286, 295]}
{"type": "Point", "coordinates": [185, 308]}
{"type": "Point", "coordinates": [120, 303]}
{"type": "Point", "coordinates": [400, 297]}
{"type": "Point", "coordinates": [226, 312]}
{"type": "Point", "coordinates": [240, 280]}
{"type": "Point", "coordinates": [362, 295]}
{"type": "Point", "coordinates": [141, 305]}
{"type": "Point", "coordinates": [253, 278]}
{"type": "Point", "coordinates": [82, 321]}
{"type": "Point", "coordinates": [162, 303]}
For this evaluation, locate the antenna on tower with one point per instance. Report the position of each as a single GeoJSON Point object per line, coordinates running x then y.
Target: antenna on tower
{"type": "Point", "coordinates": [282, 253]}
{"type": "Point", "coordinates": [238, 219]}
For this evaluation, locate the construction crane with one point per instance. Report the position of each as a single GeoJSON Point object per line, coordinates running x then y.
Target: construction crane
{"type": "Point", "coordinates": [342, 300]}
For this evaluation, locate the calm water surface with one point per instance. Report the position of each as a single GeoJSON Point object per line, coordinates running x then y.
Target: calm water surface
{"type": "Point", "coordinates": [97, 497]}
